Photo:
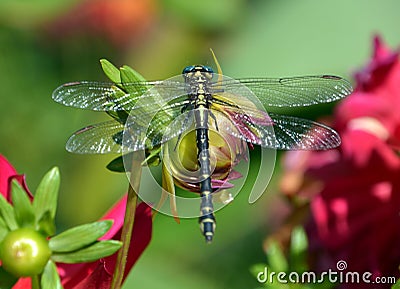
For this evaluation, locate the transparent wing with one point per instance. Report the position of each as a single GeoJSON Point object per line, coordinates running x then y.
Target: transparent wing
{"type": "Point", "coordinates": [156, 127]}
{"type": "Point", "coordinates": [291, 91]}
{"type": "Point", "coordinates": [101, 138]}
{"type": "Point", "coordinates": [285, 133]}
{"type": "Point", "coordinates": [107, 96]}
{"type": "Point", "coordinates": [114, 137]}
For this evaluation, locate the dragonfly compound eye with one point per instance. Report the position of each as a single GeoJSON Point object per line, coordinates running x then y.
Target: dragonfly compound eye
{"type": "Point", "coordinates": [189, 69]}
{"type": "Point", "coordinates": [207, 69]}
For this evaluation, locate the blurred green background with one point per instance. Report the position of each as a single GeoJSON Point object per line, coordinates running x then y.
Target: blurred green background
{"type": "Point", "coordinates": [45, 43]}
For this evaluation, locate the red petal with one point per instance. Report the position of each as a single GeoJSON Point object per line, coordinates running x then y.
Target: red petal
{"type": "Point", "coordinates": [375, 74]}
{"type": "Point", "coordinates": [141, 236]}
{"type": "Point", "coordinates": [6, 171]}
{"type": "Point", "coordinates": [116, 213]}
{"type": "Point", "coordinates": [99, 279]}
{"type": "Point", "coordinates": [23, 283]}
{"type": "Point", "coordinates": [99, 274]}
{"type": "Point", "coordinates": [7, 174]}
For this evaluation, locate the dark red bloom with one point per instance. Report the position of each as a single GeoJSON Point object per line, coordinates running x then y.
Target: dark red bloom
{"type": "Point", "coordinates": [355, 190]}
{"type": "Point", "coordinates": [97, 274]}
{"type": "Point", "coordinates": [119, 21]}
{"type": "Point", "coordinates": [7, 175]}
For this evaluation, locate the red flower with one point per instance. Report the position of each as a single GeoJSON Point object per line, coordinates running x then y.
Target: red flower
{"type": "Point", "coordinates": [97, 274]}
{"type": "Point", "coordinates": [7, 174]}
{"type": "Point", "coordinates": [120, 21]}
{"type": "Point", "coordinates": [355, 189]}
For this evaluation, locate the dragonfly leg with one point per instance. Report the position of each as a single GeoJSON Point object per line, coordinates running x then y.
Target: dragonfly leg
{"type": "Point", "coordinates": [215, 120]}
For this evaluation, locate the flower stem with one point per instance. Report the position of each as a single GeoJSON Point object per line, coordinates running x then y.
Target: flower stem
{"type": "Point", "coordinates": [35, 282]}
{"type": "Point", "coordinates": [129, 220]}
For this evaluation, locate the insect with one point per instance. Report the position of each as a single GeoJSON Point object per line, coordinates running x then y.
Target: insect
{"type": "Point", "coordinates": [201, 93]}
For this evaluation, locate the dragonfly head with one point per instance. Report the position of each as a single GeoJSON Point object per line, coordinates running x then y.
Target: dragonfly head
{"type": "Point", "coordinates": [192, 70]}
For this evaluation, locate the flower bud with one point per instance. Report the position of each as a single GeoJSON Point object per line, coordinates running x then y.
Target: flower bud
{"type": "Point", "coordinates": [225, 153]}
{"type": "Point", "coordinates": [24, 252]}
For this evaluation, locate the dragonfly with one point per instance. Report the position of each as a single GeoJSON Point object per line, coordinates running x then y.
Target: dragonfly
{"type": "Point", "coordinates": [203, 96]}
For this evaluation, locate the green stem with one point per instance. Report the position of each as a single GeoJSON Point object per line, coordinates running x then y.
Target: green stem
{"type": "Point", "coordinates": [35, 282]}
{"type": "Point", "coordinates": [129, 221]}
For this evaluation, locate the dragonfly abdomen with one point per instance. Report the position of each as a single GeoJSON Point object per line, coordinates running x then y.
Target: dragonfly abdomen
{"type": "Point", "coordinates": [198, 78]}
{"type": "Point", "coordinates": [207, 219]}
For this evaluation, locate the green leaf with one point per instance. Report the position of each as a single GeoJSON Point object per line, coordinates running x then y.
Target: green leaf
{"type": "Point", "coordinates": [3, 229]}
{"type": "Point", "coordinates": [46, 225]}
{"type": "Point", "coordinates": [153, 157]}
{"type": "Point", "coordinates": [121, 115]}
{"type": "Point", "coordinates": [117, 165]}
{"type": "Point", "coordinates": [79, 237]}
{"type": "Point", "coordinates": [298, 249]}
{"type": "Point", "coordinates": [397, 285]}
{"type": "Point", "coordinates": [110, 70]}
{"type": "Point", "coordinates": [257, 268]}
{"type": "Point", "coordinates": [23, 210]}
{"type": "Point", "coordinates": [299, 242]}
{"type": "Point", "coordinates": [47, 194]}
{"type": "Point", "coordinates": [118, 98]}
{"type": "Point", "coordinates": [128, 75]}
{"type": "Point", "coordinates": [7, 212]}
{"type": "Point", "coordinates": [50, 278]}
{"type": "Point", "coordinates": [7, 280]}
{"type": "Point", "coordinates": [276, 259]}
{"type": "Point", "coordinates": [94, 252]}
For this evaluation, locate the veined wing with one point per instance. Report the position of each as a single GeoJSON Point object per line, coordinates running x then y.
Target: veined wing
{"type": "Point", "coordinates": [285, 133]}
{"type": "Point", "coordinates": [108, 137]}
{"type": "Point", "coordinates": [100, 138]}
{"type": "Point", "coordinates": [291, 91]}
{"type": "Point", "coordinates": [107, 96]}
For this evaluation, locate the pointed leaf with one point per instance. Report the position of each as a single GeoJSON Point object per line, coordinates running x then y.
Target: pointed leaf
{"type": "Point", "coordinates": [7, 213]}
{"type": "Point", "coordinates": [276, 259]}
{"type": "Point", "coordinates": [3, 230]}
{"type": "Point", "coordinates": [110, 70]}
{"type": "Point", "coordinates": [123, 163]}
{"type": "Point", "coordinates": [168, 189]}
{"type": "Point", "coordinates": [79, 237]}
{"type": "Point", "coordinates": [298, 250]}
{"type": "Point", "coordinates": [7, 280]}
{"type": "Point", "coordinates": [298, 242]}
{"type": "Point", "coordinates": [121, 115]}
{"type": "Point", "coordinates": [94, 252]}
{"type": "Point", "coordinates": [128, 75]}
{"type": "Point", "coordinates": [47, 194]}
{"type": "Point", "coordinates": [23, 209]}
{"type": "Point", "coordinates": [117, 165]}
{"type": "Point", "coordinates": [50, 278]}
{"type": "Point", "coordinates": [153, 157]}
{"type": "Point", "coordinates": [46, 225]}
{"type": "Point", "coordinates": [257, 268]}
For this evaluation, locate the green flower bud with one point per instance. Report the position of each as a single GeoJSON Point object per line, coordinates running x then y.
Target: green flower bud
{"type": "Point", "coordinates": [24, 252]}
{"type": "Point", "coordinates": [225, 151]}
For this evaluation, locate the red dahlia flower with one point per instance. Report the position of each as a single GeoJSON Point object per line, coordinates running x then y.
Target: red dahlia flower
{"type": "Point", "coordinates": [119, 21]}
{"type": "Point", "coordinates": [354, 191]}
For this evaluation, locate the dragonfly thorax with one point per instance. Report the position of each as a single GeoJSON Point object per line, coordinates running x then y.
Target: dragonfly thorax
{"type": "Point", "coordinates": [198, 78]}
